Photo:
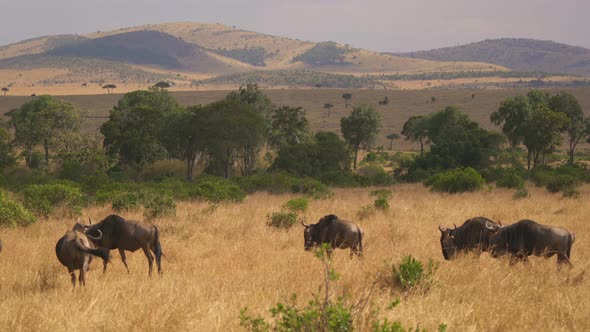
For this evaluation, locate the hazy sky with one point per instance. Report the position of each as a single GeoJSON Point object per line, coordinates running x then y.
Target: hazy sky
{"type": "Point", "coordinates": [382, 25]}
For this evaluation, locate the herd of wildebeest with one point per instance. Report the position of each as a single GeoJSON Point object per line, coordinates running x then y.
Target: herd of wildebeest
{"type": "Point", "coordinates": [519, 240]}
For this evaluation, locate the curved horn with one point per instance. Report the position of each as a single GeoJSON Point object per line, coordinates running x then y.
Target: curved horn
{"type": "Point", "coordinates": [441, 229]}
{"type": "Point", "coordinates": [304, 224]}
{"type": "Point", "coordinates": [455, 225]}
{"type": "Point", "coordinates": [90, 220]}
{"type": "Point", "coordinates": [488, 226]}
{"type": "Point", "coordinates": [499, 222]}
{"type": "Point", "coordinates": [95, 238]}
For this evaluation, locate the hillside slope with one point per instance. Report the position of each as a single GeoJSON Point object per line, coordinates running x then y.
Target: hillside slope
{"type": "Point", "coordinates": [516, 54]}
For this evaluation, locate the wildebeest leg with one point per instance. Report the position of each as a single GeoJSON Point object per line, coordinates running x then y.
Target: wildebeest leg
{"type": "Point", "coordinates": [82, 278]}
{"type": "Point", "coordinates": [73, 276]}
{"type": "Point", "coordinates": [561, 259]}
{"type": "Point", "coordinates": [150, 258]}
{"type": "Point", "coordinates": [123, 258]}
{"type": "Point", "coordinates": [158, 260]}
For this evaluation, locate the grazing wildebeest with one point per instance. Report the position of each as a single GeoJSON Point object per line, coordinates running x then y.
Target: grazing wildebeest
{"type": "Point", "coordinates": [473, 236]}
{"type": "Point", "coordinates": [337, 233]}
{"type": "Point", "coordinates": [526, 237]}
{"type": "Point", "coordinates": [122, 234]}
{"type": "Point", "coordinates": [74, 250]}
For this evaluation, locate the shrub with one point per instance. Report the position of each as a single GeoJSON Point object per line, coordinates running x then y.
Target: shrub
{"type": "Point", "coordinates": [381, 204]}
{"type": "Point", "coordinates": [571, 193]}
{"type": "Point", "coordinates": [297, 204]}
{"type": "Point", "coordinates": [510, 180]}
{"type": "Point", "coordinates": [456, 180]}
{"type": "Point", "coordinates": [561, 182]}
{"type": "Point", "coordinates": [216, 190]}
{"type": "Point", "coordinates": [12, 213]}
{"type": "Point", "coordinates": [410, 274]}
{"type": "Point", "coordinates": [375, 176]}
{"type": "Point", "coordinates": [381, 193]}
{"type": "Point", "coordinates": [284, 220]}
{"type": "Point", "coordinates": [159, 205]}
{"type": "Point", "coordinates": [44, 198]}
{"type": "Point", "coordinates": [126, 201]}
{"type": "Point", "coordinates": [365, 212]}
{"type": "Point", "coordinates": [521, 193]}
{"type": "Point", "coordinates": [279, 183]}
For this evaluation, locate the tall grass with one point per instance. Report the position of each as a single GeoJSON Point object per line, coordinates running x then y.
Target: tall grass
{"type": "Point", "coordinates": [224, 259]}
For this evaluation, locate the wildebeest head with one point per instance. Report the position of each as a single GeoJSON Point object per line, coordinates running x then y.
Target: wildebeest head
{"type": "Point", "coordinates": [447, 242]}
{"type": "Point", "coordinates": [498, 246]}
{"type": "Point", "coordinates": [312, 234]}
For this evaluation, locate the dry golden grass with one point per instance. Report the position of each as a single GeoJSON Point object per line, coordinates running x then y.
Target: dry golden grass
{"type": "Point", "coordinates": [221, 261]}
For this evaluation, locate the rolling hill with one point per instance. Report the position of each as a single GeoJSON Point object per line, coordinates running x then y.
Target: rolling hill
{"type": "Point", "coordinates": [517, 54]}
{"type": "Point", "coordinates": [196, 55]}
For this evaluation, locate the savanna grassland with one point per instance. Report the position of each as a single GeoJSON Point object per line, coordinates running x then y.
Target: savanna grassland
{"type": "Point", "coordinates": [477, 104]}
{"type": "Point", "coordinates": [224, 258]}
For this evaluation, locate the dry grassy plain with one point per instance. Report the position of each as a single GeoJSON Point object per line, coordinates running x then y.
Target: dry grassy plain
{"type": "Point", "coordinates": [402, 105]}
{"type": "Point", "coordinates": [221, 261]}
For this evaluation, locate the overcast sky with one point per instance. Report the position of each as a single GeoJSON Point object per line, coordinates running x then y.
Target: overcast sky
{"type": "Point", "coordinates": [381, 25]}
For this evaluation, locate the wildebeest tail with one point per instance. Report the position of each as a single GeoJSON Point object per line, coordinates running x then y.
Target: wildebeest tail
{"type": "Point", "coordinates": [572, 239]}
{"type": "Point", "coordinates": [100, 252]}
{"type": "Point", "coordinates": [157, 247]}
{"type": "Point", "coordinates": [360, 239]}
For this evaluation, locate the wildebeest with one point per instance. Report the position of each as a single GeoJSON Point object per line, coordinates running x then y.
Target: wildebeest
{"type": "Point", "coordinates": [527, 237]}
{"type": "Point", "coordinates": [337, 233]}
{"type": "Point", "coordinates": [74, 250]}
{"type": "Point", "coordinates": [118, 233]}
{"type": "Point", "coordinates": [473, 236]}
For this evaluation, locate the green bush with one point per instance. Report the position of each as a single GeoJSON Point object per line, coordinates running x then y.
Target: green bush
{"type": "Point", "coordinates": [283, 220]}
{"type": "Point", "coordinates": [44, 198]}
{"type": "Point", "coordinates": [279, 183]}
{"type": "Point", "coordinates": [297, 205]}
{"type": "Point", "coordinates": [456, 180]}
{"type": "Point", "coordinates": [521, 193]}
{"type": "Point", "coordinates": [159, 205]}
{"type": "Point", "coordinates": [126, 201]}
{"type": "Point", "coordinates": [510, 180]}
{"type": "Point", "coordinates": [571, 193]}
{"type": "Point", "coordinates": [381, 204]}
{"type": "Point", "coordinates": [561, 182]}
{"type": "Point", "coordinates": [287, 317]}
{"type": "Point", "coordinates": [409, 274]}
{"type": "Point", "coordinates": [381, 193]}
{"type": "Point", "coordinates": [373, 175]}
{"type": "Point", "coordinates": [216, 190]}
{"type": "Point", "coordinates": [365, 212]}
{"type": "Point", "coordinates": [13, 214]}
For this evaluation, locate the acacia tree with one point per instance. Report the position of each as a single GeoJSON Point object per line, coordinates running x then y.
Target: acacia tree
{"type": "Point", "coordinates": [232, 129]}
{"type": "Point", "coordinates": [109, 88]}
{"type": "Point", "coordinates": [360, 128]}
{"type": "Point", "coordinates": [576, 127]}
{"type": "Point", "coordinates": [253, 98]}
{"type": "Point", "coordinates": [328, 107]}
{"type": "Point", "coordinates": [289, 127]}
{"type": "Point", "coordinates": [530, 120]}
{"type": "Point", "coordinates": [415, 129]}
{"type": "Point", "coordinates": [347, 97]}
{"type": "Point", "coordinates": [131, 135]}
{"type": "Point", "coordinates": [7, 157]}
{"type": "Point", "coordinates": [42, 121]}
{"type": "Point", "coordinates": [183, 136]}
{"type": "Point", "coordinates": [5, 90]}
{"type": "Point", "coordinates": [162, 84]}
{"type": "Point", "coordinates": [391, 137]}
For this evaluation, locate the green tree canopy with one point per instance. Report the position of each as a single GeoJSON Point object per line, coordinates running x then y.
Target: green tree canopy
{"type": "Point", "coordinates": [183, 135]}
{"type": "Point", "coordinates": [360, 128]}
{"type": "Point", "coordinates": [289, 127]}
{"type": "Point", "coordinates": [131, 135]}
{"type": "Point", "coordinates": [575, 128]}
{"type": "Point", "coordinates": [415, 129]}
{"type": "Point", "coordinates": [43, 120]}
{"type": "Point", "coordinates": [325, 154]}
{"type": "Point", "coordinates": [7, 157]}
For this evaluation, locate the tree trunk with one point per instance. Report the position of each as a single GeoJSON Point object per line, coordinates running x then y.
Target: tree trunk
{"type": "Point", "coordinates": [46, 146]}
{"type": "Point", "coordinates": [528, 160]}
{"type": "Point", "coordinates": [356, 153]}
{"type": "Point", "coordinates": [421, 147]}
{"type": "Point", "coordinates": [391, 145]}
